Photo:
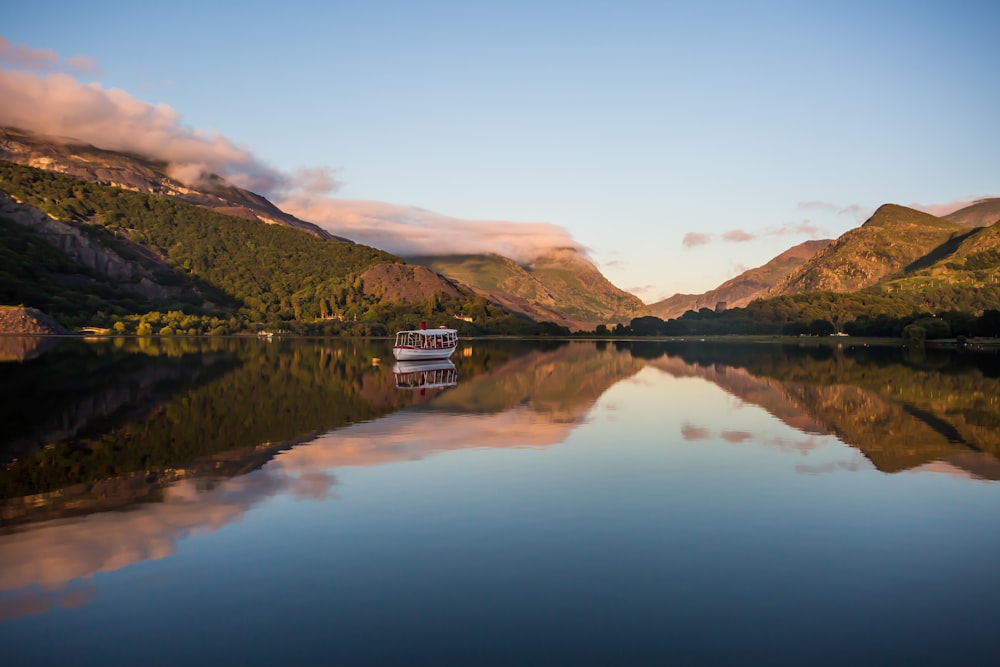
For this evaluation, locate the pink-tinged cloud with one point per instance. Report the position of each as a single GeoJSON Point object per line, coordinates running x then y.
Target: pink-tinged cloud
{"type": "Point", "coordinates": [113, 119]}
{"type": "Point", "coordinates": [641, 289]}
{"type": "Point", "coordinates": [690, 432]}
{"type": "Point", "coordinates": [738, 236]}
{"type": "Point", "coordinates": [736, 437]}
{"type": "Point", "coordinates": [43, 60]}
{"type": "Point", "coordinates": [692, 239]}
{"type": "Point", "coordinates": [410, 231]}
{"type": "Point", "coordinates": [946, 209]}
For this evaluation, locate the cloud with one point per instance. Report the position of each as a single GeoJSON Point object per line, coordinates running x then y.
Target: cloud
{"type": "Point", "coordinates": [109, 118]}
{"type": "Point", "coordinates": [738, 236]}
{"type": "Point", "coordinates": [641, 289]}
{"type": "Point", "coordinates": [832, 466]}
{"type": "Point", "coordinates": [736, 268]}
{"type": "Point", "coordinates": [43, 60]}
{"type": "Point", "coordinates": [794, 228]}
{"type": "Point", "coordinates": [692, 239]}
{"type": "Point", "coordinates": [856, 211]}
{"type": "Point", "coordinates": [412, 231]}
{"type": "Point", "coordinates": [690, 432]}
{"type": "Point", "coordinates": [736, 437]}
{"type": "Point", "coordinates": [950, 207]}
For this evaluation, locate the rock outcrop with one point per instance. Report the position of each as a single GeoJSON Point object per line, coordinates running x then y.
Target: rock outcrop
{"type": "Point", "coordinates": [28, 322]}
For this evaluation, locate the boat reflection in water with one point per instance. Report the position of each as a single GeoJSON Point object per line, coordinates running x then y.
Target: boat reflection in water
{"type": "Point", "coordinates": [432, 374]}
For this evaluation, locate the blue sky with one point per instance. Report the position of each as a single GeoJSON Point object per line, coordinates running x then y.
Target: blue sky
{"type": "Point", "coordinates": [679, 143]}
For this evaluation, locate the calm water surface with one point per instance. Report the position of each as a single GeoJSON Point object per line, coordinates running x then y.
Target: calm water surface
{"type": "Point", "coordinates": [293, 502]}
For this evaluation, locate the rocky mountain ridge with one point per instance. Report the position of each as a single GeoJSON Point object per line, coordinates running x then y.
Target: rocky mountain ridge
{"type": "Point", "coordinates": [894, 241]}
{"type": "Point", "coordinates": [744, 288]}
{"type": "Point", "coordinates": [142, 174]}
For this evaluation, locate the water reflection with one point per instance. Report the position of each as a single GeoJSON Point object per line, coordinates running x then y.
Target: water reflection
{"type": "Point", "coordinates": [900, 415]}
{"type": "Point", "coordinates": [189, 436]}
{"type": "Point", "coordinates": [425, 374]}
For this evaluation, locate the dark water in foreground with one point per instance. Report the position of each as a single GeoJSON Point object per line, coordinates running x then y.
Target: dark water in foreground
{"type": "Point", "coordinates": [292, 502]}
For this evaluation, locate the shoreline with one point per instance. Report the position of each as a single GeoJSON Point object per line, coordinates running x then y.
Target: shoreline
{"type": "Point", "coordinates": [828, 341]}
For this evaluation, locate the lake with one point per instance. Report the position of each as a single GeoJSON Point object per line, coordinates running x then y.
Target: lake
{"type": "Point", "coordinates": [293, 501]}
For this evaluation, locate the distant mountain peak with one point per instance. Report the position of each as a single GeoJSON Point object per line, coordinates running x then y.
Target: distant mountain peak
{"type": "Point", "coordinates": [744, 288]}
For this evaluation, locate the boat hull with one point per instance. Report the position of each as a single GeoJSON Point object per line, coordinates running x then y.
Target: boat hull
{"type": "Point", "coordinates": [414, 354]}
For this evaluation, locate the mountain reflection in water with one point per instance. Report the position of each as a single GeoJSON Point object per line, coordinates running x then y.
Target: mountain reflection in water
{"type": "Point", "coordinates": [190, 435]}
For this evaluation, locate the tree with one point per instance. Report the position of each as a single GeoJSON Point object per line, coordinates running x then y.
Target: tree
{"type": "Point", "coordinates": [914, 333]}
{"type": "Point", "coordinates": [795, 329]}
{"type": "Point", "coordinates": [988, 324]}
{"type": "Point", "coordinates": [821, 328]}
{"type": "Point", "coordinates": [648, 326]}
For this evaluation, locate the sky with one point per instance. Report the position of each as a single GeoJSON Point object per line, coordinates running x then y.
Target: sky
{"type": "Point", "coordinates": [676, 143]}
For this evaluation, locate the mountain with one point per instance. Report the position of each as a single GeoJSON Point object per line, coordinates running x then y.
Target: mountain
{"type": "Point", "coordinates": [142, 174]}
{"type": "Point", "coordinates": [982, 213]}
{"type": "Point", "coordinates": [100, 256]}
{"type": "Point", "coordinates": [893, 239]}
{"type": "Point", "coordinates": [744, 288]}
{"type": "Point", "coordinates": [561, 285]}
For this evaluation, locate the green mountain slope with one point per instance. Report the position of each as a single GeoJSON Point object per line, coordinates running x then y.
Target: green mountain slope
{"type": "Point", "coordinates": [503, 281]}
{"type": "Point", "coordinates": [94, 255]}
{"type": "Point", "coordinates": [582, 291]}
{"type": "Point", "coordinates": [263, 271]}
{"type": "Point", "coordinates": [969, 263]}
{"type": "Point", "coordinates": [560, 286]}
{"type": "Point", "coordinates": [890, 241]}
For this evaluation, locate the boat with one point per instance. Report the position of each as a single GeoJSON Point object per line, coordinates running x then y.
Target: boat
{"type": "Point", "coordinates": [432, 374]}
{"type": "Point", "coordinates": [424, 343]}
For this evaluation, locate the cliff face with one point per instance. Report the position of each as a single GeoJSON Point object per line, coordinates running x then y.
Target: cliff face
{"type": "Point", "coordinates": [136, 275]}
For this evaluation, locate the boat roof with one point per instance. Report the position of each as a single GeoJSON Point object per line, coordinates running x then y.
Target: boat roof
{"type": "Point", "coordinates": [429, 332]}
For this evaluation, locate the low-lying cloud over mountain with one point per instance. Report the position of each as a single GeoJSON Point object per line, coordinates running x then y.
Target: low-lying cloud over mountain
{"type": "Point", "coordinates": [41, 94]}
{"type": "Point", "coordinates": [942, 210]}
{"type": "Point", "coordinates": [412, 231]}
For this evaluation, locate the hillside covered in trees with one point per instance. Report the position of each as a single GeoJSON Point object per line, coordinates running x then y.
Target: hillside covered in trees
{"type": "Point", "coordinates": [101, 256]}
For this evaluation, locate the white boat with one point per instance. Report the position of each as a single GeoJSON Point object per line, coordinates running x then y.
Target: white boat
{"type": "Point", "coordinates": [432, 374]}
{"type": "Point", "coordinates": [424, 343]}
